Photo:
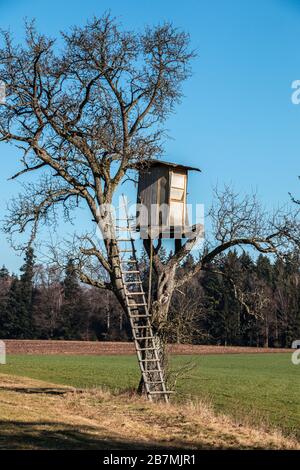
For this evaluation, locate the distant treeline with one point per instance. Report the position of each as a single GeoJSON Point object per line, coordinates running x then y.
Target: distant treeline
{"type": "Point", "coordinates": [238, 301]}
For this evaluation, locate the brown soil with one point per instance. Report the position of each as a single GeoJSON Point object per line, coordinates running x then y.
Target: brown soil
{"type": "Point", "coordinates": [118, 348]}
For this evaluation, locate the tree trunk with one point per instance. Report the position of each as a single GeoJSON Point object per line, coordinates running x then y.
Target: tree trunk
{"type": "Point", "coordinates": [266, 345]}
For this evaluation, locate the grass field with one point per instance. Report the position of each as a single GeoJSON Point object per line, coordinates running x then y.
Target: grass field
{"type": "Point", "coordinates": [259, 389]}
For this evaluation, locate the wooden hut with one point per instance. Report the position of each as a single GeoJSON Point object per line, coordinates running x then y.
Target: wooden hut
{"type": "Point", "coordinates": [162, 198]}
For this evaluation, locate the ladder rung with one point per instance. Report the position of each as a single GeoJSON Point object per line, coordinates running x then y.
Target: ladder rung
{"type": "Point", "coordinates": [124, 240]}
{"type": "Point", "coordinates": [134, 307]}
{"type": "Point", "coordinates": [125, 251]}
{"type": "Point", "coordinates": [141, 326]}
{"type": "Point", "coordinates": [144, 337]}
{"type": "Point", "coordinates": [137, 305]}
{"type": "Point", "coordinates": [140, 316]}
{"type": "Point", "coordinates": [128, 261]}
{"type": "Point", "coordinates": [150, 360]}
{"type": "Point", "coordinates": [130, 272]}
{"type": "Point", "coordinates": [161, 391]}
{"type": "Point", "coordinates": [128, 218]}
{"type": "Point", "coordinates": [155, 382]}
{"type": "Point", "coordinates": [133, 282]}
{"type": "Point", "coordinates": [135, 293]}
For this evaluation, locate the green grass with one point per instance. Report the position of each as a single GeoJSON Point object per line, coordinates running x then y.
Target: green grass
{"type": "Point", "coordinates": [263, 387]}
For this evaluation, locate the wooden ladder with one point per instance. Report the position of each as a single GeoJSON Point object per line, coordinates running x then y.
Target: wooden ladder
{"type": "Point", "coordinates": [138, 313]}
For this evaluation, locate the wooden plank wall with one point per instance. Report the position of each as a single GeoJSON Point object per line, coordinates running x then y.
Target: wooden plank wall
{"type": "Point", "coordinates": [153, 189]}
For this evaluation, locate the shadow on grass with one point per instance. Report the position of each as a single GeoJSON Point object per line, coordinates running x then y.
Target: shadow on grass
{"type": "Point", "coordinates": [16, 435]}
{"type": "Point", "coordinates": [38, 390]}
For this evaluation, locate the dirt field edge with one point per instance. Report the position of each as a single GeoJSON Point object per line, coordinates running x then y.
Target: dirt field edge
{"type": "Point", "coordinates": [120, 348]}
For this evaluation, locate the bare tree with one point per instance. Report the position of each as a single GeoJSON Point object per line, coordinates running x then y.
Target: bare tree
{"type": "Point", "coordinates": [48, 300]}
{"type": "Point", "coordinates": [85, 116]}
{"type": "Point", "coordinates": [236, 221]}
{"type": "Point", "coordinates": [186, 313]}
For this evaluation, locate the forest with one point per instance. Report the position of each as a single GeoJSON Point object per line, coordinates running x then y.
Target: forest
{"type": "Point", "coordinates": [237, 300]}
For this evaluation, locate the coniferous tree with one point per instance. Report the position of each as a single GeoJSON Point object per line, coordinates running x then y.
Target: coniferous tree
{"type": "Point", "coordinates": [27, 290]}
{"type": "Point", "coordinates": [4, 286]}
{"type": "Point", "coordinates": [74, 311]}
{"type": "Point", "coordinates": [17, 318]}
{"type": "Point", "coordinates": [4, 273]}
{"type": "Point", "coordinates": [9, 315]}
{"type": "Point", "coordinates": [214, 320]}
{"type": "Point", "coordinates": [5, 282]}
{"type": "Point", "coordinates": [236, 301]}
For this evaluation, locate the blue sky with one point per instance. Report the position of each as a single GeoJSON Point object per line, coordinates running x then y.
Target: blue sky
{"type": "Point", "coordinates": [236, 121]}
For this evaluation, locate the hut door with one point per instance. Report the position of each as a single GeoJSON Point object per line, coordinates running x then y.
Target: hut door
{"type": "Point", "coordinates": [177, 198]}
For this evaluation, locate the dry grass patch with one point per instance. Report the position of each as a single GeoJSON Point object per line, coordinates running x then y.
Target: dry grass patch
{"type": "Point", "coordinates": [194, 425]}
{"type": "Point", "coordinates": [39, 415]}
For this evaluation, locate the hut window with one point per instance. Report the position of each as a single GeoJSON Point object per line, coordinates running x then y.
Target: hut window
{"type": "Point", "coordinates": [177, 194]}
{"type": "Point", "coordinates": [177, 191]}
{"type": "Point", "coordinates": [178, 180]}
{"type": "Point", "coordinates": [177, 198]}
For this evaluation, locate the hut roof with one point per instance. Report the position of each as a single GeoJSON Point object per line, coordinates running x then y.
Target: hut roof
{"type": "Point", "coordinates": [150, 163]}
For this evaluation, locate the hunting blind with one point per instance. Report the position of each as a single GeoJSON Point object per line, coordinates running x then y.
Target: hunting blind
{"type": "Point", "coordinates": [161, 213]}
{"type": "Point", "coordinates": [162, 198]}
